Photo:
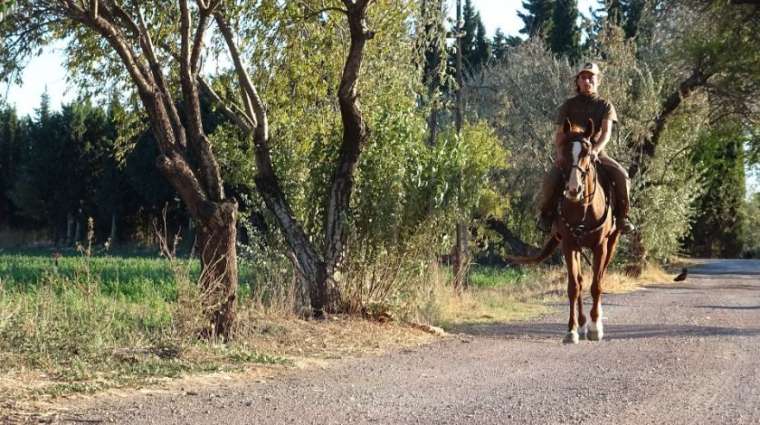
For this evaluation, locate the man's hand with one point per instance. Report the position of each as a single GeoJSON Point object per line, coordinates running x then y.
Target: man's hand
{"type": "Point", "coordinates": [593, 154]}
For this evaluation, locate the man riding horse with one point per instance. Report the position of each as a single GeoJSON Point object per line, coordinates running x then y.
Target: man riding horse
{"type": "Point", "coordinates": [587, 105]}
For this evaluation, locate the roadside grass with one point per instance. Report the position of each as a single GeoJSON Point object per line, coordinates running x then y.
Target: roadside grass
{"type": "Point", "coordinates": [89, 324]}
{"type": "Point", "coordinates": [495, 295]}
{"type": "Point", "coordinates": [519, 294]}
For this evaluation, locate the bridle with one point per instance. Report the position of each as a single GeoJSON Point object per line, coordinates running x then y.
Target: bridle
{"type": "Point", "coordinates": [586, 198]}
{"type": "Point", "coordinates": [578, 230]}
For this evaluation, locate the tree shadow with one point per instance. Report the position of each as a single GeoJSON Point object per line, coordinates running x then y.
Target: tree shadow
{"type": "Point", "coordinates": [612, 332]}
{"type": "Point", "coordinates": [731, 307]}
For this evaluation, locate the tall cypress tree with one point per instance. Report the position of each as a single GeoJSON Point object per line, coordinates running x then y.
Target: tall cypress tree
{"type": "Point", "coordinates": [537, 20]}
{"type": "Point", "coordinates": [476, 47]}
{"type": "Point", "coordinates": [10, 150]}
{"type": "Point", "coordinates": [501, 42]}
{"type": "Point", "coordinates": [565, 35]}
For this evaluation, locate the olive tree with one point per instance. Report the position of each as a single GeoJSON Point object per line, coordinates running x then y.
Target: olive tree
{"type": "Point", "coordinates": [157, 51]}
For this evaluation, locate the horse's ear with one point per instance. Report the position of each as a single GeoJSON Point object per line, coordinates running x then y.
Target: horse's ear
{"type": "Point", "coordinates": [589, 129]}
{"type": "Point", "coordinates": [566, 128]}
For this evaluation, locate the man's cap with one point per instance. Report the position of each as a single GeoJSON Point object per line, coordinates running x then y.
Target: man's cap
{"type": "Point", "coordinates": [589, 67]}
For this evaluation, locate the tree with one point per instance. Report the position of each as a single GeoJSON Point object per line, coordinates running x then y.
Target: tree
{"type": "Point", "coordinates": [537, 20]}
{"type": "Point", "coordinates": [433, 41]}
{"type": "Point", "coordinates": [476, 48]}
{"type": "Point", "coordinates": [565, 35]}
{"type": "Point", "coordinates": [718, 225]}
{"type": "Point", "coordinates": [713, 58]}
{"type": "Point", "coordinates": [10, 152]}
{"type": "Point", "coordinates": [141, 43]}
{"type": "Point", "coordinates": [501, 43]}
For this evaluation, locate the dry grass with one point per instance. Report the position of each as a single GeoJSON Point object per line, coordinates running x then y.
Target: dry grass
{"type": "Point", "coordinates": [270, 337]}
{"type": "Point", "coordinates": [529, 298]}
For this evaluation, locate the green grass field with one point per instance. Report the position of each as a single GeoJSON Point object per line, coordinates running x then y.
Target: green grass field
{"type": "Point", "coordinates": [90, 323]}
{"type": "Point", "coordinates": [112, 320]}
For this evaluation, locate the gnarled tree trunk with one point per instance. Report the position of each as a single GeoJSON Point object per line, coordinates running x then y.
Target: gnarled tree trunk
{"type": "Point", "coordinates": [316, 268]}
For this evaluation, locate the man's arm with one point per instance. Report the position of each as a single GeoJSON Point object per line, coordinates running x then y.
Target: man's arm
{"type": "Point", "coordinates": [604, 137]}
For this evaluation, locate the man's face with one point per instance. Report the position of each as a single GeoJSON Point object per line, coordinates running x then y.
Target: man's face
{"type": "Point", "coordinates": [587, 83]}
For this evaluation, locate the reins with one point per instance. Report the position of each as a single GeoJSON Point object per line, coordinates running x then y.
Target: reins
{"type": "Point", "coordinates": [579, 230]}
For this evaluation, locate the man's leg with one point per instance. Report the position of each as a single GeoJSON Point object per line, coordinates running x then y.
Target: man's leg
{"type": "Point", "coordinates": [547, 203]}
{"type": "Point", "coordinates": [622, 192]}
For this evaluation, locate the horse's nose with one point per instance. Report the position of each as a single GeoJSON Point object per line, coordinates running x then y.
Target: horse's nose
{"type": "Point", "coordinates": [573, 193]}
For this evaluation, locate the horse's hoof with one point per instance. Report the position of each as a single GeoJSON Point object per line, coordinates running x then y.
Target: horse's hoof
{"type": "Point", "coordinates": [583, 332]}
{"type": "Point", "coordinates": [571, 338]}
{"type": "Point", "coordinates": [596, 332]}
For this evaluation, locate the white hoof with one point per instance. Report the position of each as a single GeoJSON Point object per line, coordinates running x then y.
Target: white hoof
{"type": "Point", "coordinates": [583, 332]}
{"type": "Point", "coordinates": [596, 331]}
{"type": "Point", "coordinates": [571, 338]}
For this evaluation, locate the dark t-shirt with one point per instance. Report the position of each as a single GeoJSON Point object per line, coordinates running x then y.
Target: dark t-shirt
{"type": "Point", "coordinates": [580, 108]}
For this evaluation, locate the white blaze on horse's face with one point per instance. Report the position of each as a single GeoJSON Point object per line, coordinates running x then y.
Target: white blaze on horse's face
{"type": "Point", "coordinates": [574, 189]}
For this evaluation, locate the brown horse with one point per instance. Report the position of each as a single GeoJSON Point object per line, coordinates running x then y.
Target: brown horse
{"type": "Point", "coordinates": [584, 220]}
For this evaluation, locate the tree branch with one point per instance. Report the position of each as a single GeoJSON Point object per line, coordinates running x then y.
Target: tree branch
{"type": "Point", "coordinates": [231, 111]}
{"type": "Point", "coordinates": [250, 95]}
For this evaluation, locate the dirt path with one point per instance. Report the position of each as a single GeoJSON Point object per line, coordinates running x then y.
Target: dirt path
{"type": "Point", "coordinates": [677, 354]}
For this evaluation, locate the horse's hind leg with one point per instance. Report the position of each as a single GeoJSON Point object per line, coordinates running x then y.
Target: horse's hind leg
{"type": "Point", "coordinates": [573, 293]}
{"type": "Point", "coordinates": [596, 328]}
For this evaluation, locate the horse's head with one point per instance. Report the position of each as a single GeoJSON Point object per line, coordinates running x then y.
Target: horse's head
{"type": "Point", "coordinates": [575, 160]}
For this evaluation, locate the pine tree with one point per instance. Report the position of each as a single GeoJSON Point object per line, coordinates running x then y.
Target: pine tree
{"type": "Point", "coordinates": [565, 35]}
{"type": "Point", "coordinates": [615, 10]}
{"type": "Point", "coordinates": [475, 44]}
{"type": "Point", "coordinates": [476, 47]}
{"type": "Point", "coordinates": [501, 42]}
{"type": "Point", "coordinates": [537, 20]}
{"type": "Point", "coordinates": [634, 12]}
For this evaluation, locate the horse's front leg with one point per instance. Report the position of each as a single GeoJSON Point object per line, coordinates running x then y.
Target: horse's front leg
{"type": "Point", "coordinates": [573, 292]}
{"type": "Point", "coordinates": [596, 328]}
{"type": "Point", "coordinates": [582, 328]}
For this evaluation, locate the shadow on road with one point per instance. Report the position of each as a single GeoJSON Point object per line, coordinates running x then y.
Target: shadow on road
{"type": "Point", "coordinates": [557, 330]}
{"type": "Point", "coordinates": [731, 307]}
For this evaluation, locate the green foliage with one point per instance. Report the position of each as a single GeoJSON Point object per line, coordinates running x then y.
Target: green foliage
{"type": "Point", "coordinates": [521, 108]}
{"type": "Point", "coordinates": [719, 222]}
{"type": "Point", "coordinates": [565, 35]}
{"type": "Point", "coordinates": [537, 20]}
{"type": "Point", "coordinates": [96, 322]}
{"type": "Point", "coordinates": [494, 277]}
{"type": "Point", "coordinates": [751, 234]}
{"type": "Point", "coordinates": [476, 50]}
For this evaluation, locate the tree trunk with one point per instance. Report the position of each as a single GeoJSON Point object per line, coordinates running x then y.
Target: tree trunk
{"type": "Point", "coordinates": [113, 235]}
{"type": "Point", "coordinates": [217, 237]}
{"type": "Point", "coordinates": [77, 231]}
{"type": "Point", "coordinates": [460, 246]}
{"type": "Point", "coordinates": [460, 257]}
{"type": "Point", "coordinates": [69, 229]}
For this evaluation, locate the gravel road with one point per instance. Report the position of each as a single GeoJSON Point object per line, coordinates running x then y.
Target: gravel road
{"type": "Point", "coordinates": [685, 353]}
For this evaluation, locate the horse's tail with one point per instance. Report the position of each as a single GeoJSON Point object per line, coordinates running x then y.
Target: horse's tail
{"type": "Point", "coordinates": [549, 247]}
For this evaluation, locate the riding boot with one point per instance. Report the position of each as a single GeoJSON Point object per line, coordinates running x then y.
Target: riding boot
{"type": "Point", "coordinates": [621, 184]}
{"type": "Point", "coordinates": [548, 199]}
